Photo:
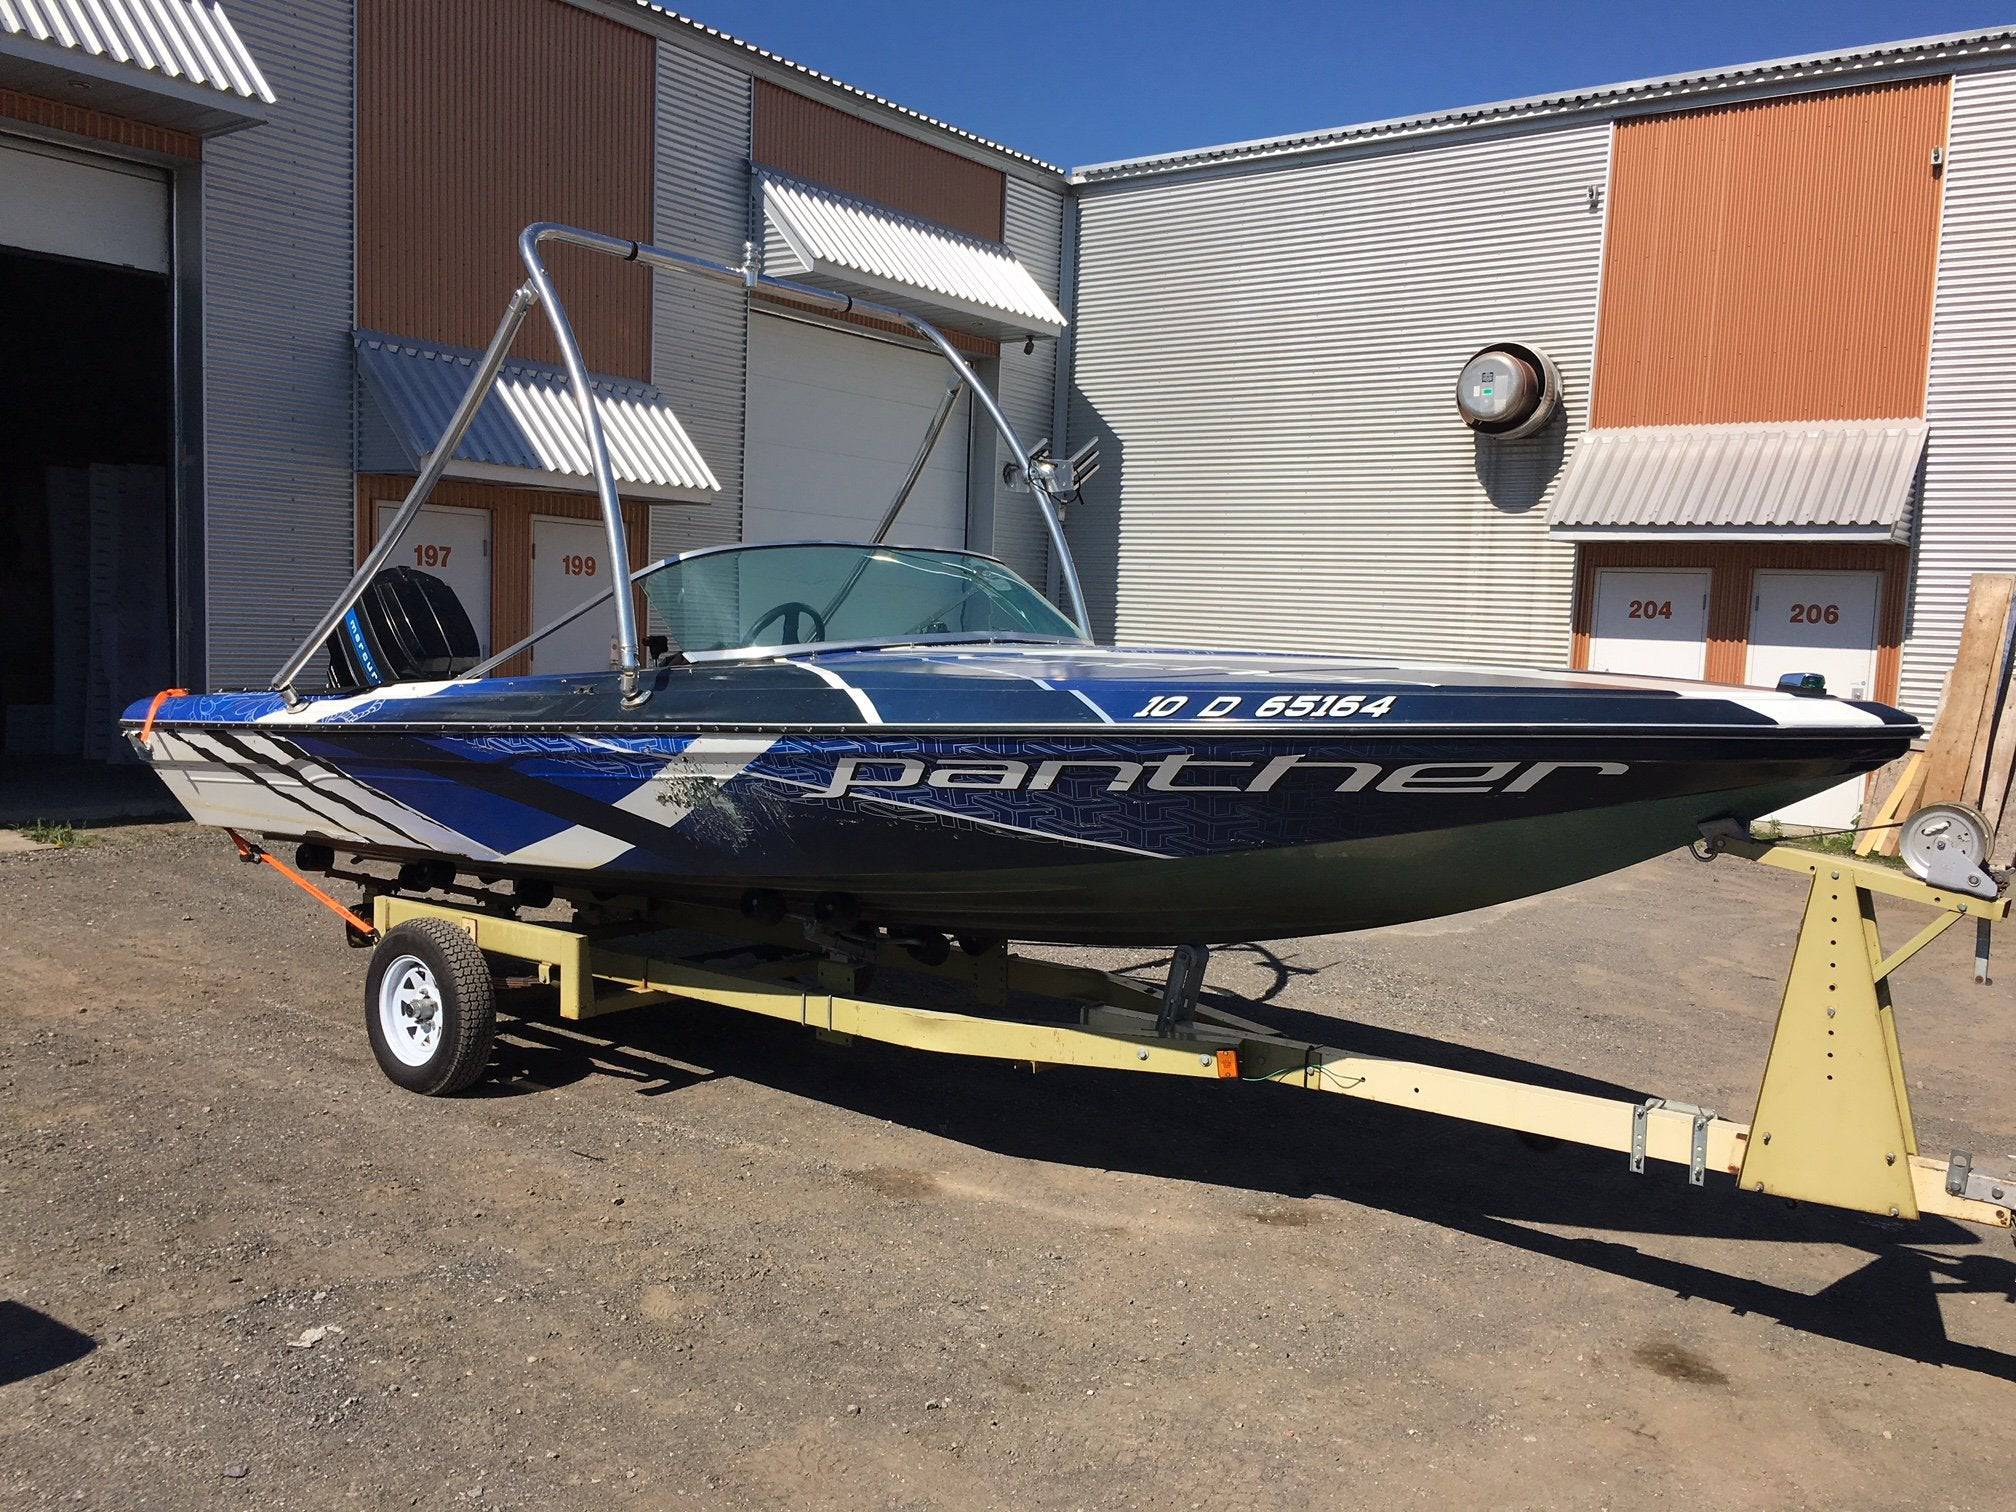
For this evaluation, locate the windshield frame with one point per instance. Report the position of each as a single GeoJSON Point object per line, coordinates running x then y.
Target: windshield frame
{"type": "Point", "coordinates": [489, 664]}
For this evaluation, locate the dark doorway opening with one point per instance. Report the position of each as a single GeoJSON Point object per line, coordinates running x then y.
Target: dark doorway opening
{"type": "Point", "coordinates": [86, 511]}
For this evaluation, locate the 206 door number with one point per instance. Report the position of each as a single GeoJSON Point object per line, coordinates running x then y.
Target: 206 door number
{"type": "Point", "coordinates": [1279, 706]}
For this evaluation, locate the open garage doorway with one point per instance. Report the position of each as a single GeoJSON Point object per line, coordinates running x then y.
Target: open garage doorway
{"type": "Point", "coordinates": [86, 512]}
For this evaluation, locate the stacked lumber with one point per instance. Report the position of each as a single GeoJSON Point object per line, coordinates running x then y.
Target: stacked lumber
{"type": "Point", "coordinates": [1973, 746]}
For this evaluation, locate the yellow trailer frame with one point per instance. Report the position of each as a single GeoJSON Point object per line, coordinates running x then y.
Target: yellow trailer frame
{"type": "Point", "coordinates": [1833, 1121]}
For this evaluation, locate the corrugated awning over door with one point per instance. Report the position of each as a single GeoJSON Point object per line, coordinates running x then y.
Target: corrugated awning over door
{"type": "Point", "coordinates": [528, 430]}
{"type": "Point", "coordinates": [853, 247]}
{"type": "Point", "coordinates": [1836, 480]}
{"type": "Point", "coordinates": [174, 63]}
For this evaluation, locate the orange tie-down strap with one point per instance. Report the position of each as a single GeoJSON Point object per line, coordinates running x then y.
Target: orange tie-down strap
{"type": "Point", "coordinates": [147, 724]}
{"type": "Point", "coordinates": [247, 851]}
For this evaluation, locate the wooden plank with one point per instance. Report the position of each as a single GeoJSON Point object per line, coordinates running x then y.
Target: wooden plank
{"type": "Point", "coordinates": [1991, 708]}
{"type": "Point", "coordinates": [1893, 802]}
{"type": "Point", "coordinates": [1910, 796]}
{"type": "Point", "coordinates": [2002, 754]}
{"type": "Point", "coordinates": [1967, 687]}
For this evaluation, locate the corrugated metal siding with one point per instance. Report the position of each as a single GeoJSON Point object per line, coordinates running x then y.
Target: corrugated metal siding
{"type": "Point", "coordinates": [1772, 261]}
{"type": "Point", "coordinates": [1840, 476]}
{"type": "Point", "coordinates": [1273, 356]}
{"type": "Point", "coordinates": [700, 329]}
{"type": "Point", "coordinates": [278, 379]}
{"type": "Point", "coordinates": [1731, 593]}
{"type": "Point", "coordinates": [1026, 384]}
{"type": "Point", "coordinates": [810, 140]}
{"type": "Point", "coordinates": [476, 118]}
{"type": "Point", "coordinates": [1968, 519]}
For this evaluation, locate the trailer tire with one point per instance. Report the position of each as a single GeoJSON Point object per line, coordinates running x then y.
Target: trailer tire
{"type": "Point", "coordinates": [430, 1007]}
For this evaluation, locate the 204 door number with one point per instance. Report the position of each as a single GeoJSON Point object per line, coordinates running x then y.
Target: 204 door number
{"type": "Point", "coordinates": [1279, 706]}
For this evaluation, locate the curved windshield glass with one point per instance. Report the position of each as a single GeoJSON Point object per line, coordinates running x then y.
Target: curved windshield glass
{"type": "Point", "coordinates": [817, 594]}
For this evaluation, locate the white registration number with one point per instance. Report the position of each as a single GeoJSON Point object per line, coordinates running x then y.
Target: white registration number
{"type": "Point", "coordinates": [1278, 706]}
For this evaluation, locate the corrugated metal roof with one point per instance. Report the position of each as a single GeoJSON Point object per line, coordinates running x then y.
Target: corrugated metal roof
{"type": "Point", "coordinates": [701, 27]}
{"type": "Point", "coordinates": [1836, 479]}
{"type": "Point", "coordinates": [528, 424]}
{"type": "Point", "coordinates": [856, 247]}
{"type": "Point", "coordinates": [178, 39]}
{"type": "Point", "coordinates": [1832, 69]}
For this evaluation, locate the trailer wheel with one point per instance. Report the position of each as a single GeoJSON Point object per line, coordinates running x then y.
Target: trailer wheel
{"type": "Point", "coordinates": [430, 1007]}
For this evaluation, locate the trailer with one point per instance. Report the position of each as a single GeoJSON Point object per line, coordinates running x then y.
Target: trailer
{"type": "Point", "coordinates": [1833, 1121]}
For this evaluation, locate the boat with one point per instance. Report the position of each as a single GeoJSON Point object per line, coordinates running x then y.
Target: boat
{"type": "Point", "coordinates": [917, 740]}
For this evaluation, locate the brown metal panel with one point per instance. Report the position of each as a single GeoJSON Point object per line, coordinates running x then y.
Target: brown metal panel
{"type": "Point", "coordinates": [511, 511]}
{"type": "Point", "coordinates": [99, 126]}
{"type": "Point", "coordinates": [476, 118]}
{"type": "Point", "coordinates": [810, 140]}
{"type": "Point", "coordinates": [1734, 564]}
{"type": "Point", "coordinates": [1772, 260]}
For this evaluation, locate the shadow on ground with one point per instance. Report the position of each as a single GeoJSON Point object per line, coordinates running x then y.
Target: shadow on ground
{"type": "Point", "coordinates": [1265, 1139]}
{"type": "Point", "coordinates": [33, 1343]}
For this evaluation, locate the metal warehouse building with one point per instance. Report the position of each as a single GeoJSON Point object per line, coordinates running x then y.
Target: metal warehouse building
{"type": "Point", "coordinates": [1776, 298]}
{"type": "Point", "coordinates": [247, 253]}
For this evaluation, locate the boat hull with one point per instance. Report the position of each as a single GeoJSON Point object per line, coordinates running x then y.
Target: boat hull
{"type": "Point", "coordinates": [1091, 836]}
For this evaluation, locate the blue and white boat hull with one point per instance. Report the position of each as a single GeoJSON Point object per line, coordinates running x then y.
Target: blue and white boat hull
{"type": "Point", "coordinates": [1066, 794]}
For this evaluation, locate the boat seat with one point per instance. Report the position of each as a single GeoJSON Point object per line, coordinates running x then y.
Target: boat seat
{"type": "Point", "coordinates": [407, 627]}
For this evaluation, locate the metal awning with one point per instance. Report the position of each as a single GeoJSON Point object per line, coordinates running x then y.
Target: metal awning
{"type": "Point", "coordinates": [1833, 480]}
{"type": "Point", "coordinates": [854, 247]}
{"type": "Point", "coordinates": [528, 430]}
{"type": "Point", "coordinates": [173, 63]}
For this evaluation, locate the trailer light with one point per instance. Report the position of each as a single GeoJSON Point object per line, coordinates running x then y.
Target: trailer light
{"type": "Point", "coordinates": [1228, 1065]}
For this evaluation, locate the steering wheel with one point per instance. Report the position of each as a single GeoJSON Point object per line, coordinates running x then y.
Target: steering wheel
{"type": "Point", "coordinates": [790, 612]}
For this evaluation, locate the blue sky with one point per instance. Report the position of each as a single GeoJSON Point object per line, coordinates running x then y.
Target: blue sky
{"type": "Point", "coordinates": [1086, 82]}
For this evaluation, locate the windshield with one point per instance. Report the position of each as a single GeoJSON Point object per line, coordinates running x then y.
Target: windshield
{"type": "Point", "coordinates": [813, 594]}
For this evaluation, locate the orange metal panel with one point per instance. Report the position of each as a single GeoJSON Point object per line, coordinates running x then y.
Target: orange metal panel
{"type": "Point", "coordinates": [475, 118]}
{"type": "Point", "coordinates": [1734, 563]}
{"type": "Point", "coordinates": [802, 137]}
{"type": "Point", "coordinates": [511, 511]}
{"type": "Point", "coordinates": [1772, 260]}
{"type": "Point", "coordinates": [99, 126]}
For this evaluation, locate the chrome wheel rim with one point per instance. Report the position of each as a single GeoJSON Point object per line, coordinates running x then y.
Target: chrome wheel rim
{"type": "Point", "coordinates": [409, 1011]}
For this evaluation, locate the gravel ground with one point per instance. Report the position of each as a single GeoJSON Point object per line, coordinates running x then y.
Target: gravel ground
{"type": "Point", "coordinates": [695, 1258]}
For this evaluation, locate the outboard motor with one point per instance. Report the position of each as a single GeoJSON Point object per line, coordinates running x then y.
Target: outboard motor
{"type": "Point", "coordinates": [408, 626]}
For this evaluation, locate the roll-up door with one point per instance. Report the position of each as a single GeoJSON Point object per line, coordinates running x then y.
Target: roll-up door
{"type": "Point", "coordinates": [834, 423]}
{"type": "Point", "coordinates": [81, 205]}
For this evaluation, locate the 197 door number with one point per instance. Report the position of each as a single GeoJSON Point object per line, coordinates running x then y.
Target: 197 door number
{"type": "Point", "coordinates": [1279, 706]}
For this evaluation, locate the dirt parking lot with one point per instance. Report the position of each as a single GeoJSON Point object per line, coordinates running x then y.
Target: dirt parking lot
{"type": "Point", "coordinates": [692, 1258]}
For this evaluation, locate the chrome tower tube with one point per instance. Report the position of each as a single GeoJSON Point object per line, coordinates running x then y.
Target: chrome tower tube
{"type": "Point", "coordinates": [931, 434]}
{"type": "Point", "coordinates": [539, 290]}
{"type": "Point", "coordinates": [430, 473]}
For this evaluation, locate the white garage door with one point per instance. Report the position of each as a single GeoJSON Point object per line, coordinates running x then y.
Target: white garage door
{"type": "Point", "coordinates": [1821, 622]}
{"type": "Point", "coordinates": [834, 423]}
{"type": "Point", "coordinates": [1650, 622]}
{"type": "Point", "coordinates": [570, 563]}
{"type": "Point", "coordinates": [454, 545]}
{"type": "Point", "coordinates": [78, 204]}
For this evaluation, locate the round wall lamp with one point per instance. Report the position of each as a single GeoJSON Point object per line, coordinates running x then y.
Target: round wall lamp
{"type": "Point", "coordinates": [1508, 391]}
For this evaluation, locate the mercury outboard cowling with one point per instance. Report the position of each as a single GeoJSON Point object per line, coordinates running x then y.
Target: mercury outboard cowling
{"type": "Point", "coordinates": [407, 627]}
